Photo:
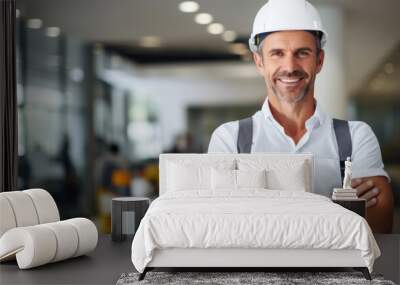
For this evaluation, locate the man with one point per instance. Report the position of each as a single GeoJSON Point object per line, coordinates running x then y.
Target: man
{"type": "Point", "coordinates": [287, 42]}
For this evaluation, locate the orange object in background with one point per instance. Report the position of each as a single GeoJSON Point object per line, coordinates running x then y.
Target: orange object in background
{"type": "Point", "coordinates": [121, 178]}
{"type": "Point", "coordinates": [105, 223]}
{"type": "Point", "coordinates": [150, 172]}
{"type": "Point", "coordinates": [104, 197]}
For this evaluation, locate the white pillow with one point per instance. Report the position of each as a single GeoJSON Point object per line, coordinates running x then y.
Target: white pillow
{"type": "Point", "coordinates": [226, 179]}
{"type": "Point", "coordinates": [223, 179]}
{"type": "Point", "coordinates": [293, 178]}
{"type": "Point", "coordinates": [193, 174]}
{"type": "Point", "coordinates": [181, 177]}
{"type": "Point", "coordinates": [282, 174]}
{"type": "Point", "coordinates": [251, 178]}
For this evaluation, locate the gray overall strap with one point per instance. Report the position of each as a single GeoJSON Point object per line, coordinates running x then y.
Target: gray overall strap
{"type": "Point", "coordinates": [342, 133]}
{"type": "Point", "coordinates": [245, 135]}
{"type": "Point", "coordinates": [343, 139]}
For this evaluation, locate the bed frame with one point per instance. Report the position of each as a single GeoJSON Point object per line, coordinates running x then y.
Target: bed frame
{"type": "Point", "coordinates": [248, 259]}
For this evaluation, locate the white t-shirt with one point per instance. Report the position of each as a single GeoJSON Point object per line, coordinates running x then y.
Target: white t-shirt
{"type": "Point", "coordinates": [320, 140]}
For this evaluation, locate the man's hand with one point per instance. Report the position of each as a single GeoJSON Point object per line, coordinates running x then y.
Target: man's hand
{"type": "Point", "coordinates": [378, 193]}
{"type": "Point", "coordinates": [367, 190]}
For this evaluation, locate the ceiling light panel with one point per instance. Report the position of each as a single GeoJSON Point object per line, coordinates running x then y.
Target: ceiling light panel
{"type": "Point", "coordinates": [53, 32]}
{"type": "Point", "coordinates": [150, 41]}
{"type": "Point", "coordinates": [189, 6]}
{"type": "Point", "coordinates": [34, 23]}
{"type": "Point", "coordinates": [215, 28]}
{"type": "Point", "coordinates": [229, 36]}
{"type": "Point", "coordinates": [203, 18]}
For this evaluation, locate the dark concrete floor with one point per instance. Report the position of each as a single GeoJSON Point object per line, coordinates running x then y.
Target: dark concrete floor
{"type": "Point", "coordinates": [102, 266]}
{"type": "Point", "coordinates": [106, 264]}
{"type": "Point", "coordinates": [388, 263]}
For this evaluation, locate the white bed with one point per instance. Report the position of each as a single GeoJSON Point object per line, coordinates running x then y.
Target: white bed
{"type": "Point", "coordinates": [214, 225]}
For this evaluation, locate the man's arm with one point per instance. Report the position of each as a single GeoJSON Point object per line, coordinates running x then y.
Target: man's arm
{"type": "Point", "coordinates": [373, 181]}
{"type": "Point", "coordinates": [378, 193]}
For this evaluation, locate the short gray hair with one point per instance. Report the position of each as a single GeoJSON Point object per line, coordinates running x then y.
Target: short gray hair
{"type": "Point", "coordinates": [316, 34]}
{"type": "Point", "coordinates": [260, 47]}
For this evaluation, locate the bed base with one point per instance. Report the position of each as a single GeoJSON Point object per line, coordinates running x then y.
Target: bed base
{"type": "Point", "coordinates": [363, 270]}
{"type": "Point", "coordinates": [250, 259]}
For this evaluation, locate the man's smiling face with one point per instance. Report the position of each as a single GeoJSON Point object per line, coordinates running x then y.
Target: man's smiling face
{"type": "Point", "coordinates": [289, 64]}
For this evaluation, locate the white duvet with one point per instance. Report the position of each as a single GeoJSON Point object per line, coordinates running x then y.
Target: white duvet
{"type": "Point", "coordinates": [250, 219]}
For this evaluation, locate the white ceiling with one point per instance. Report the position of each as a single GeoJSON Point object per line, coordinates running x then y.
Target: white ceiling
{"type": "Point", "coordinates": [128, 20]}
{"type": "Point", "coordinates": [125, 21]}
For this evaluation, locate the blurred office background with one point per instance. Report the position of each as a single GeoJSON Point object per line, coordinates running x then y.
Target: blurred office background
{"type": "Point", "coordinates": [105, 86]}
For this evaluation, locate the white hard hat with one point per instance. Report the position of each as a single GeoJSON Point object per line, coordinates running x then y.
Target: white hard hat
{"type": "Point", "coordinates": [283, 15]}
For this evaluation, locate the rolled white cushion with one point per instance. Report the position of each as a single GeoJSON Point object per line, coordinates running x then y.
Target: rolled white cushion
{"type": "Point", "coordinates": [45, 206]}
{"type": "Point", "coordinates": [67, 239]}
{"type": "Point", "coordinates": [23, 208]}
{"type": "Point", "coordinates": [40, 244]}
{"type": "Point", "coordinates": [7, 218]}
{"type": "Point", "coordinates": [33, 246]}
{"type": "Point", "coordinates": [87, 235]}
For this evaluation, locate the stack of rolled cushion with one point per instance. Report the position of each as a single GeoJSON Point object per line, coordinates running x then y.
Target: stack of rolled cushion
{"type": "Point", "coordinates": [31, 231]}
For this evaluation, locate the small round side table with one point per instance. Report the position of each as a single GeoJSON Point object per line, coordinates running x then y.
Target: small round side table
{"type": "Point", "coordinates": [126, 214]}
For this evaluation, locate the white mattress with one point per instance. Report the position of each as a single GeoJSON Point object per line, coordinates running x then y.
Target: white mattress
{"type": "Point", "coordinates": [251, 219]}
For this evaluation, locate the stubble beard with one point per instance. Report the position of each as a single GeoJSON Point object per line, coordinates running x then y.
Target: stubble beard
{"type": "Point", "coordinates": [287, 98]}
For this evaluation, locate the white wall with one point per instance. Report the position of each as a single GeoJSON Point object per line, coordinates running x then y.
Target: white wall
{"type": "Point", "coordinates": [331, 91]}
{"type": "Point", "coordinates": [370, 35]}
{"type": "Point", "coordinates": [176, 88]}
